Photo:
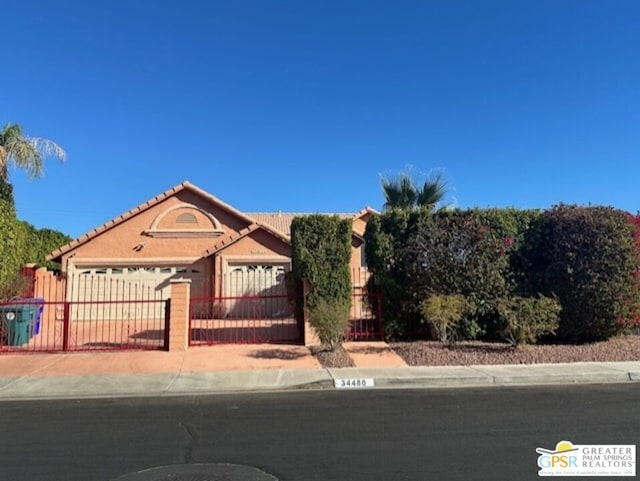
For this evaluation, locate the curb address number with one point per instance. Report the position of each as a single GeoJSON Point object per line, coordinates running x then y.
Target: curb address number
{"type": "Point", "coordinates": [353, 383]}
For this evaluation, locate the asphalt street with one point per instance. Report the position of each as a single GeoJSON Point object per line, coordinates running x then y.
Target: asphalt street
{"type": "Point", "coordinates": [387, 435]}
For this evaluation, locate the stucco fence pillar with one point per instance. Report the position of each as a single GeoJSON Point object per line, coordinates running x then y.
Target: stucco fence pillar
{"type": "Point", "coordinates": [178, 325]}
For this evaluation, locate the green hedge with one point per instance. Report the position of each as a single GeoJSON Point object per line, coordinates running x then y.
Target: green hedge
{"type": "Point", "coordinates": [417, 255]}
{"type": "Point", "coordinates": [40, 243]}
{"type": "Point", "coordinates": [6, 191]}
{"type": "Point", "coordinates": [21, 243]}
{"type": "Point", "coordinates": [11, 243]}
{"type": "Point", "coordinates": [386, 237]}
{"type": "Point", "coordinates": [321, 255]}
{"type": "Point", "coordinates": [587, 257]}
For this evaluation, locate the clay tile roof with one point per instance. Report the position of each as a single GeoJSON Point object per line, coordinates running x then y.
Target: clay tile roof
{"type": "Point", "coordinates": [366, 210]}
{"type": "Point", "coordinates": [139, 208]}
{"type": "Point", "coordinates": [281, 221]}
{"type": "Point", "coordinates": [276, 223]}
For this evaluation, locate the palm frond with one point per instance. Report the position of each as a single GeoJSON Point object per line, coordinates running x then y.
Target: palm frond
{"type": "Point", "coordinates": [399, 193]}
{"type": "Point", "coordinates": [26, 153]}
{"type": "Point", "coordinates": [25, 156]}
{"type": "Point", "coordinates": [432, 192]}
{"type": "Point", "coordinates": [48, 148]}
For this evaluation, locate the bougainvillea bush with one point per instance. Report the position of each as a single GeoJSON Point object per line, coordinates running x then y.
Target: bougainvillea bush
{"type": "Point", "coordinates": [585, 257]}
{"type": "Point", "coordinates": [588, 258]}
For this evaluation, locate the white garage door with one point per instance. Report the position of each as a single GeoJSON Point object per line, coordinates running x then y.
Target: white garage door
{"type": "Point", "coordinates": [256, 290]}
{"type": "Point", "coordinates": [103, 285]}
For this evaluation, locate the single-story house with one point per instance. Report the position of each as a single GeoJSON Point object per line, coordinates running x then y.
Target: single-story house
{"type": "Point", "coordinates": [186, 232]}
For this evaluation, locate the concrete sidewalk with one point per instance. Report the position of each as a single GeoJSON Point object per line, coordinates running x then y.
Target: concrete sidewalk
{"type": "Point", "coordinates": [251, 368]}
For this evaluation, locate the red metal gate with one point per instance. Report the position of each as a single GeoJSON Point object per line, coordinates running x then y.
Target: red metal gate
{"type": "Point", "coordinates": [242, 320]}
{"type": "Point", "coordinates": [113, 315]}
{"type": "Point", "coordinates": [365, 323]}
{"type": "Point", "coordinates": [35, 325]}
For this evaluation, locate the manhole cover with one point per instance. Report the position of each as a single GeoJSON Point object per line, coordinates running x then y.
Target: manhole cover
{"type": "Point", "coordinates": [199, 472]}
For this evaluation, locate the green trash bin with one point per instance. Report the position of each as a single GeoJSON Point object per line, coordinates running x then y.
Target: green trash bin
{"type": "Point", "coordinates": [17, 323]}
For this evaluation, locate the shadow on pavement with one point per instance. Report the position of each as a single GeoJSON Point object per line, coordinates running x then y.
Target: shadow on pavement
{"type": "Point", "coordinates": [284, 354]}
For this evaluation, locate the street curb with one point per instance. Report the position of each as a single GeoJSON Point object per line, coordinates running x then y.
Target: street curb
{"type": "Point", "coordinates": [546, 374]}
{"type": "Point", "coordinates": [279, 380]}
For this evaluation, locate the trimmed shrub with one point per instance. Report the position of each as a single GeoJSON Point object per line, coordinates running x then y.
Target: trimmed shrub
{"type": "Point", "coordinates": [587, 257]}
{"type": "Point", "coordinates": [321, 255]}
{"type": "Point", "coordinates": [527, 318]}
{"type": "Point", "coordinates": [330, 320]}
{"type": "Point", "coordinates": [445, 314]}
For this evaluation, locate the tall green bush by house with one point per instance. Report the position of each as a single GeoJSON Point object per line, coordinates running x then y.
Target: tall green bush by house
{"type": "Point", "coordinates": [11, 244]}
{"type": "Point", "coordinates": [386, 237]}
{"type": "Point", "coordinates": [6, 191]}
{"type": "Point", "coordinates": [321, 254]}
{"type": "Point", "coordinates": [41, 243]}
{"type": "Point", "coordinates": [471, 253]}
{"type": "Point", "coordinates": [20, 244]}
{"type": "Point", "coordinates": [587, 257]}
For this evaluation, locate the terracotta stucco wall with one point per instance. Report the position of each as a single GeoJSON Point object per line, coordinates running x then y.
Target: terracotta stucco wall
{"type": "Point", "coordinates": [360, 224]}
{"type": "Point", "coordinates": [123, 241]}
{"type": "Point", "coordinates": [258, 243]}
{"type": "Point", "coordinates": [356, 256]}
{"type": "Point", "coordinates": [257, 248]}
{"type": "Point", "coordinates": [202, 221]}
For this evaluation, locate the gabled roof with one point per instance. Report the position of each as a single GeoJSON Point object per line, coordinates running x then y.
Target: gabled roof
{"type": "Point", "coordinates": [276, 223]}
{"type": "Point", "coordinates": [236, 236]}
{"type": "Point", "coordinates": [281, 221]}
{"type": "Point", "coordinates": [365, 211]}
{"type": "Point", "coordinates": [142, 207]}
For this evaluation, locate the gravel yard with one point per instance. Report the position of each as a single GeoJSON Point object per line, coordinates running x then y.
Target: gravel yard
{"type": "Point", "coordinates": [431, 353]}
{"type": "Point", "coordinates": [337, 358]}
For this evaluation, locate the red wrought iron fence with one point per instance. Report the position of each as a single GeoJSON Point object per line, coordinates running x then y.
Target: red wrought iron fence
{"type": "Point", "coordinates": [255, 308]}
{"type": "Point", "coordinates": [242, 320]}
{"type": "Point", "coordinates": [365, 323]}
{"type": "Point", "coordinates": [53, 319]}
{"type": "Point", "coordinates": [258, 309]}
{"type": "Point", "coordinates": [34, 325]}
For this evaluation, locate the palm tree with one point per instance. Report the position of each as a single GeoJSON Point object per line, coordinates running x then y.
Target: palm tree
{"type": "Point", "coordinates": [401, 193]}
{"type": "Point", "coordinates": [432, 192]}
{"type": "Point", "coordinates": [26, 153]}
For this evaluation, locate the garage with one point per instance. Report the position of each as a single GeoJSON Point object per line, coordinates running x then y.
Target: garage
{"type": "Point", "coordinates": [129, 283]}
{"type": "Point", "coordinates": [116, 292]}
{"type": "Point", "coordinates": [256, 290]}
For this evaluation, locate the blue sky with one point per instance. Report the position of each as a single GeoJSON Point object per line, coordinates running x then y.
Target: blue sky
{"type": "Point", "coordinates": [302, 105]}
